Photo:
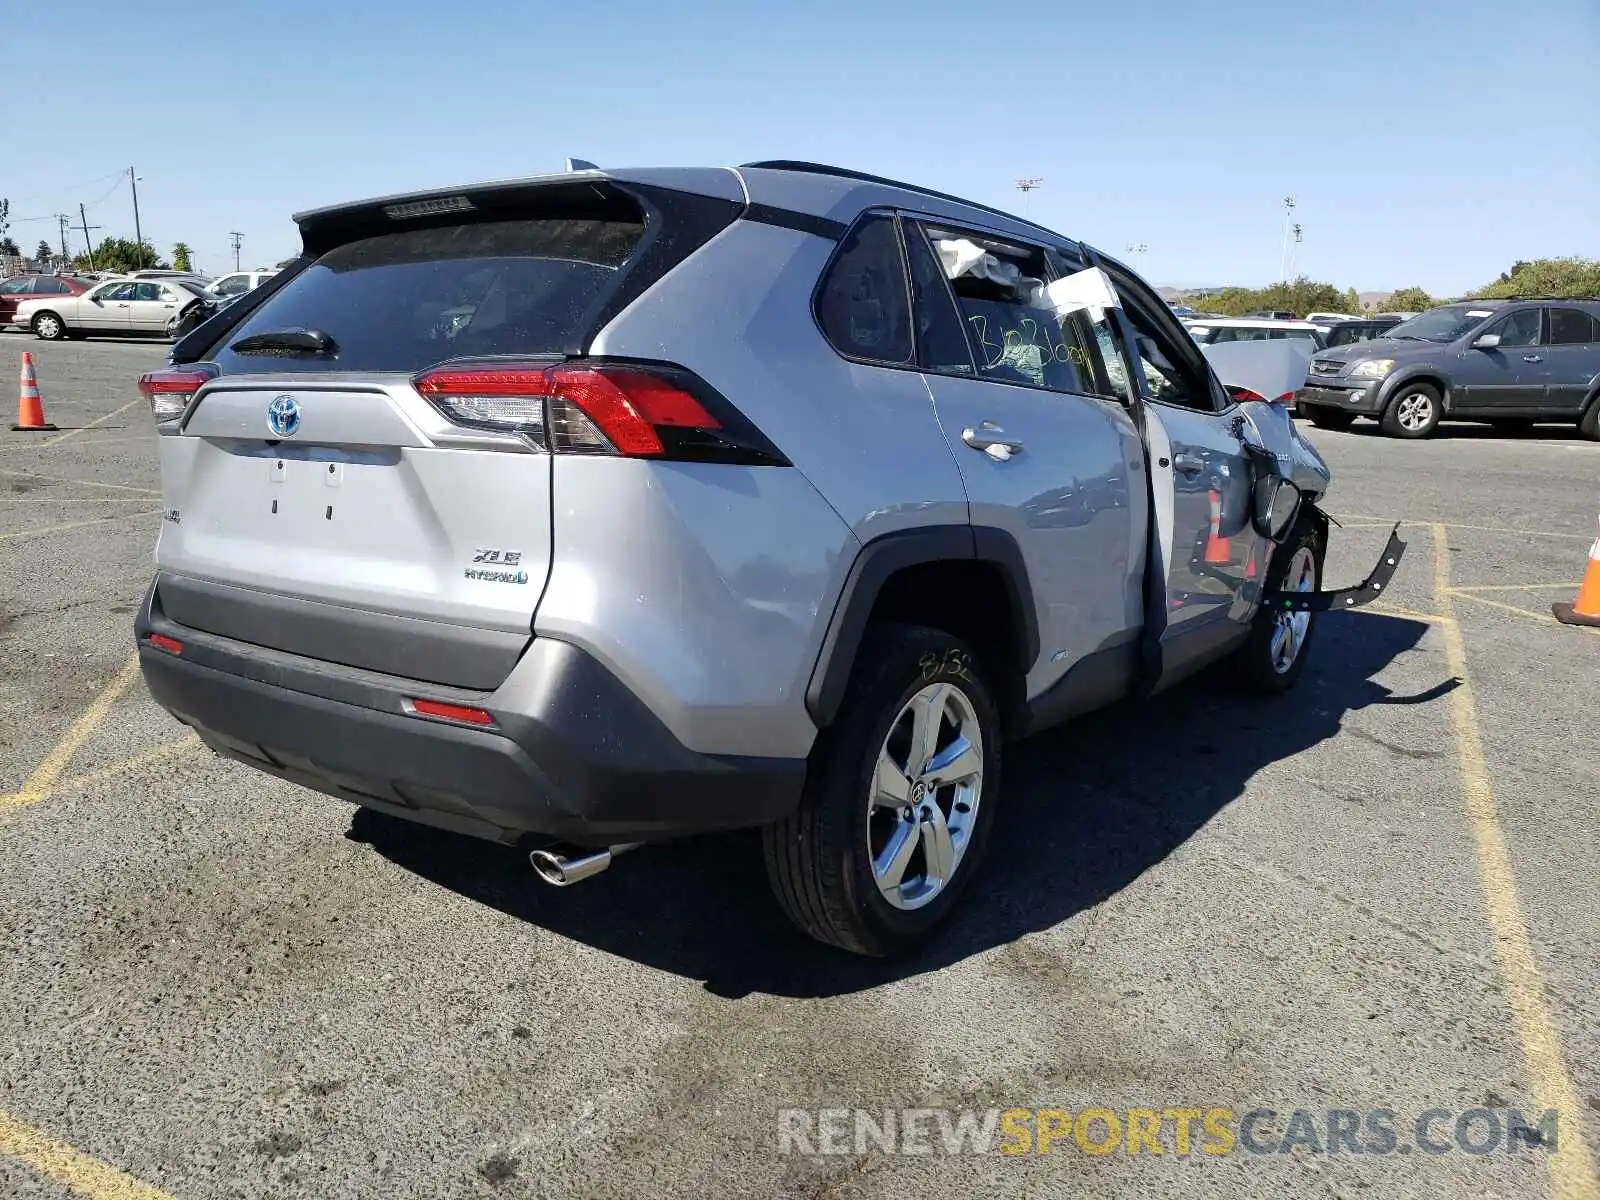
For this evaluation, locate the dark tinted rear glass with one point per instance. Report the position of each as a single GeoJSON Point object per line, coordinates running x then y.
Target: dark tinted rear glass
{"type": "Point", "coordinates": [402, 301]}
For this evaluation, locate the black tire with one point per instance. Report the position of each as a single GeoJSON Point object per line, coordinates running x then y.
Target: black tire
{"type": "Point", "coordinates": [1589, 423]}
{"type": "Point", "coordinates": [1391, 421]}
{"type": "Point", "coordinates": [1254, 661]}
{"type": "Point", "coordinates": [818, 861]}
{"type": "Point", "coordinates": [48, 327]}
{"type": "Point", "coordinates": [1324, 417]}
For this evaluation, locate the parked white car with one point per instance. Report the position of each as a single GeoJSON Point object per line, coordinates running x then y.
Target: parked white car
{"type": "Point", "coordinates": [236, 284]}
{"type": "Point", "coordinates": [125, 307]}
{"type": "Point", "coordinates": [1253, 329]}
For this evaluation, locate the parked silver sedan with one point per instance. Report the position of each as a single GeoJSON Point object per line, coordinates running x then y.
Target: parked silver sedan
{"type": "Point", "coordinates": [118, 307]}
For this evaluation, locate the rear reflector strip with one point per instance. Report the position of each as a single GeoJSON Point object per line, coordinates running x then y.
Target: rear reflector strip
{"type": "Point", "coordinates": [162, 642]}
{"type": "Point", "coordinates": [460, 713]}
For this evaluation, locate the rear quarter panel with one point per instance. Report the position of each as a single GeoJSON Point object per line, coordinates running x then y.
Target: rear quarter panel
{"type": "Point", "coordinates": [724, 579]}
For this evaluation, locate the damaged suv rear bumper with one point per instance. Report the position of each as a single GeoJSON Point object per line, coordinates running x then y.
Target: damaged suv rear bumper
{"type": "Point", "coordinates": [588, 763]}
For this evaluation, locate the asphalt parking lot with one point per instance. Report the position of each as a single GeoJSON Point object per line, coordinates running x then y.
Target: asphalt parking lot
{"type": "Point", "coordinates": [1377, 893]}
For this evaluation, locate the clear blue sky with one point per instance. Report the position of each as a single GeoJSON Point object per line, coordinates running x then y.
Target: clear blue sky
{"type": "Point", "coordinates": [1425, 143]}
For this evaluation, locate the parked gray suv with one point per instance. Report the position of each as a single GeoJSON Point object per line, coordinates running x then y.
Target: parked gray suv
{"type": "Point", "coordinates": [594, 509]}
{"type": "Point", "coordinates": [1507, 362]}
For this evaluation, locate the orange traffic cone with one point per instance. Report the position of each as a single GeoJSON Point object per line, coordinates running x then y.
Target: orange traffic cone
{"type": "Point", "coordinates": [30, 408]}
{"type": "Point", "coordinates": [1217, 550]}
{"type": "Point", "coordinates": [1585, 610]}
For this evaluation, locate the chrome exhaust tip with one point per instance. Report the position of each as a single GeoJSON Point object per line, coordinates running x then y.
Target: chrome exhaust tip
{"type": "Point", "coordinates": [563, 866]}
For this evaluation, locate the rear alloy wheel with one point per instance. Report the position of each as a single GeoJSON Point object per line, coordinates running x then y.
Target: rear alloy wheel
{"type": "Point", "coordinates": [1414, 412]}
{"type": "Point", "coordinates": [1324, 417]}
{"type": "Point", "coordinates": [49, 327]}
{"type": "Point", "coordinates": [1273, 656]}
{"type": "Point", "coordinates": [899, 799]}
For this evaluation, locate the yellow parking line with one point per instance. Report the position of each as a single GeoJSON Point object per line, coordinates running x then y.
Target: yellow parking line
{"type": "Point", "coordinates": [1366, 522]}
{"type": "Point", "coordinates": [1571, 1173]}
{"type": "Point", "coordinates": [72, 433]}
{"type": "Point", "coordinates": [1408, 614]}
{"type": "Point", "coordinates": [43, 780]}
{"type": "Point", "coordinates": [123, 765]}
{"type": "Point", "coordinates": [27, 533]}
{"type": "Point", "coordinates": [1512, 587]}
{"type": "Point", "coordinates": [1532, 614]}
{"type": "Point", "coordinates": [116, 487]}
{"type": "Point", "coordinates": [72, 1168]}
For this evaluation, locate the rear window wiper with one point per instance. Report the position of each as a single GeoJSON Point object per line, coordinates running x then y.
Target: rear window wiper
{"type": "Point", "coordinates": [303, 341]}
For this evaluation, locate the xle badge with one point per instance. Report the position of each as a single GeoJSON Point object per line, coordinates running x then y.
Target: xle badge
{"type": "Point", "coordinates": [501, 558]}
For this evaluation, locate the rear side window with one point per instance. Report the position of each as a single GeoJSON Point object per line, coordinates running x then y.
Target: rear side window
{"type": "Point", "coordinates": [863, 305]}
{"type": "Point", "coordinates": [1571, 327]}
{"type": "Point", "coordinates": [403, 301]}
{"type": "Point", "coordinates": [1016, 331]}
{"type": "Point", "coordinates": [51, 287]}
{"type": "Point", "coordinates": [941, 344]}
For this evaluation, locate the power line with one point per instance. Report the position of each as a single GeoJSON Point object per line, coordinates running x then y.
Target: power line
{"type": "Point", "coordinates": [76, 187]}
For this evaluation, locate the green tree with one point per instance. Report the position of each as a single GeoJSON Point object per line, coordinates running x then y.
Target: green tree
{"type": "Point", "coordinates": [43, 253]}
{"type": "Point", "coordinates": [180, 257]}
{"type": "Point", "coordinates": [1558, 278]}
{"type": "Point", "coordinates": [1352, 302]}
{"type": "Point", "coordinates": [1411, 299]}
{"type": "Point", "coordinates": [5, 216]}
{"type": "Point", "coordinates": [9, 248]}
{"type": "Point", "coordinates": [1300, 296]}
{"type": "Point", "coordinates": [120, 254]}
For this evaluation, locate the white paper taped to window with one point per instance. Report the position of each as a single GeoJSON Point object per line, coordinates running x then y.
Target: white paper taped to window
{"type": "Point", "coordinates": [1091, 289]}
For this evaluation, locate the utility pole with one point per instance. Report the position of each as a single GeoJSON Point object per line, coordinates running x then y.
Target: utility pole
{"type": "Point", "coordinates": [237, 238]}
{"type": "Point", "coordinates": [133, 182]}
{"type": "Point", "coordinates": [1288, 207]}
{"type": "Point", "coordinates": [87, 244]}
{"type": "Point", "coordinates": [62, 220]}
{"type": "Point", "coordinates": [1025, 186]}
{"type": "Point", "coordinates": [1297, 241]}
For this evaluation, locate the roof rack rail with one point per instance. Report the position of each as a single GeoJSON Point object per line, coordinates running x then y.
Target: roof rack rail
{"type": "Point", "coordinates": [811, 168]}
{"type": "Point", "coordinates": [1545, 299]}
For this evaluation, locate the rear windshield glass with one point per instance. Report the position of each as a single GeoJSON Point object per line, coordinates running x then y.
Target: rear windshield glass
{"type": "Point", "coordinates": [403, 301]}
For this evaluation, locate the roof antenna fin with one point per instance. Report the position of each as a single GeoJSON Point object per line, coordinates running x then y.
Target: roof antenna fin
{"type": "Point", "coordinates": [580, 164]}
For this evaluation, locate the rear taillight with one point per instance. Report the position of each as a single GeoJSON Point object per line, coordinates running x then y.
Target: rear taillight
{"type": "Point", "coordinates": [1243, 394]}
{"type": "Point", "coordinates": [623, 409]}
{"type": "Point", "coordinates": [162, 642]}
{"type": "Point", "coordinates": [170, 391]}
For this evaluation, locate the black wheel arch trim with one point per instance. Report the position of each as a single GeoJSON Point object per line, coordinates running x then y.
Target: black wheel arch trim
{"type": "Point", "coordinates": [881, 558]}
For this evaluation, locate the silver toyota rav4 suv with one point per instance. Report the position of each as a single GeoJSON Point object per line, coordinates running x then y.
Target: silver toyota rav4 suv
{"type": "Point", "coordinates": [589, 510]}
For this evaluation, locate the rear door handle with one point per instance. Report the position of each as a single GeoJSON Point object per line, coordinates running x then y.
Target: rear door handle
{"type": "Point", "coordinates": [991, 439]}
{"type": "Point", "coordinates": [1533, 358]}
{"type": "Point", "coordinates": [1188, 464]}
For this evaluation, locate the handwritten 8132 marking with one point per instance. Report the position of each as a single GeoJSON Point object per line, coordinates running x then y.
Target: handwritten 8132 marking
{"type": "Point", "coordinates": [1027, 335]}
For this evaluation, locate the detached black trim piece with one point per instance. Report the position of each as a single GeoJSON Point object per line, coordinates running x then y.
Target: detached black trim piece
{"type": "Point", "coordinates": [883, 557]}
{"type": "Point", "coordinates": [1364, 592]}
{"type": "Point", "coordinates": [788, 218]}
{"type": "Point", "coordinates": [591, 765]}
